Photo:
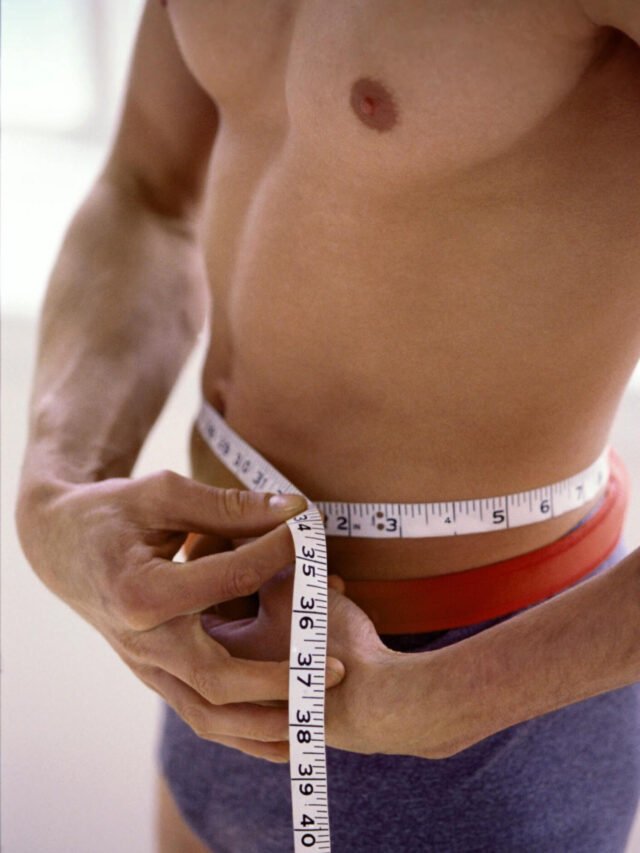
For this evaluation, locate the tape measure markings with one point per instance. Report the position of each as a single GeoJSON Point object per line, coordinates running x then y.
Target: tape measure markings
{"type": "Point", "coordinates": [308, 776]}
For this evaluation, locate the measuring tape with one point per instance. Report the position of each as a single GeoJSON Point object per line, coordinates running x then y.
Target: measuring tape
{"type": "Point", "coordinates": [308, 646]}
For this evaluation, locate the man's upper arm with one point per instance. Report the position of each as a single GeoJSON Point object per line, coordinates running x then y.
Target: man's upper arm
{"type": "Point", "coordinates": [168, 124]}
{"type": "Point", "coordinates": [624, 15]}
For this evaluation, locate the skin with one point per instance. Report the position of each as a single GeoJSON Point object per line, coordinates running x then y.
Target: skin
{"type": "Point", "coordinates": [443, 279]}
{"type": "Point", "coordinates": [470, 231]}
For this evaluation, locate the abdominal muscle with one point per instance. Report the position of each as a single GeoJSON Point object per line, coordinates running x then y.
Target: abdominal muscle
{"type": "Point", "coordinates": [435, 349]}
{"type": "Point", "coordinates": [386, 332]}
{"type": "Point", "coordinates": [433, 363]}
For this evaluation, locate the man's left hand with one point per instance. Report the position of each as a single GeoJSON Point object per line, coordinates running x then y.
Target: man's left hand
{"type": "Point", "coordinates": [387, 702]}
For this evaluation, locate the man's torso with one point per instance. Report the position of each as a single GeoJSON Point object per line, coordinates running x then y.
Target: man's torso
{"type": "Point", "coordinates": [421, 234]}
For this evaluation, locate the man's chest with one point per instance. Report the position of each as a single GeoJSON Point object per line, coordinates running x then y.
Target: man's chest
{"type": "Point", "coordinates": [435, 83]}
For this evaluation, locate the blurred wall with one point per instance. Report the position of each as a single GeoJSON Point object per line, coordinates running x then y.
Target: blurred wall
{"type": "Point", "coordinates": [78, 730]}
{"type": "Point", "coordinates": [64, 65]}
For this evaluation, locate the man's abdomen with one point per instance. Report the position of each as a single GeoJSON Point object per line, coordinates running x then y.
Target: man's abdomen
{"type": "Point", "coordinates": [427, 340]}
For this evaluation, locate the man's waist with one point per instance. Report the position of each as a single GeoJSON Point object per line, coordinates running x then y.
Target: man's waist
{"type": "Point", "coordinates": [464, 598]}
{"type": "Point", "coordinates": [399, 601]}
{"type": "Point", "coordinates": [366, 558]}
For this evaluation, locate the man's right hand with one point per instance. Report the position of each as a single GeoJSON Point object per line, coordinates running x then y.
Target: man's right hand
{"type": "Point", "coordinates": [107, 550]}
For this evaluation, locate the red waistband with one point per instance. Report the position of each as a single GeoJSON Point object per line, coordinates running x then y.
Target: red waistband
{"type": "Point", "coordinates": [464, 598]}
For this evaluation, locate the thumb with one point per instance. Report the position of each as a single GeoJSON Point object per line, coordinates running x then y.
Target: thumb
{"type": "Point", "coordinates": [172, 502]}
{"type": "Point", "coordinates": [349, 626]}
{"type": "Point", "coordinates": [243, 639]}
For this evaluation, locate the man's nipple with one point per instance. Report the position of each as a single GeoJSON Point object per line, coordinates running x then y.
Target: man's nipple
{"type": "Point", "coordinates": [373, 104]}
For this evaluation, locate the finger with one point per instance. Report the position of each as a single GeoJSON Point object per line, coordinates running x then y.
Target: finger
{"type": "Point", "coordinates": [336, 583]}
{"type": "Point", "coordinates": [164, 589]}
{"type": "Point", "coordinates": [197, 660]}
{"type": "Point", "coordinates": [350, 628]}
{"type": "Point", "coordinates": [202, 544]}
{"type": "Point", "coordinates": [232, 574]}
{"type": "Point", "coordinates": [240, 721]}
{"type": "Point", "coordinates": [243, 638]}
{"type": "Point", "coordinates": [220, 628]}
{"type": "Point", "coordinates": [334, 672]}
{"type": "Point", "coordinates": [170, 501]}
{"type": "Point", "coordinates": [278, 753]}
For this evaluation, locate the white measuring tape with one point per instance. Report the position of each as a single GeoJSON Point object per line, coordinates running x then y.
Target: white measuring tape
{"type": "Point", "coordinates": [308, 648]}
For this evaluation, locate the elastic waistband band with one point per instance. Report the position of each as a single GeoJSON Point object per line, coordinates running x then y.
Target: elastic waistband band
{"type": "Point", "coordinates": [420, 605]}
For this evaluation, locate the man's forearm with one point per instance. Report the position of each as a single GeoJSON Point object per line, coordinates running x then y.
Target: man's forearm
{"type": "Point", "coordinates": [122, 311]}
{"type": "Point", "coordinates": [583, 642]}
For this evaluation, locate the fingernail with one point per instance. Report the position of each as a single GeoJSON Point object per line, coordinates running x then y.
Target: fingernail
{"type": "Point", "coordinates": [287, 503]}
{"type": "Point", "coordinates": [335, 673]}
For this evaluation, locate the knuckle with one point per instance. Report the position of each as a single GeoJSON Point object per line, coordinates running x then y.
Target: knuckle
{"type": "Point", "coordinates": [207, 684]}
{"type": "Point", "coordinates": [194, 715]}
{"type": "Point", "coordinates": [133, 645]}
{"type": "Point", "coordinates": [134, 605]}
{"type": "Point", "coordinates": [243, 579]}
{"type": "Point", "coordinates": [166, 481]}
{"type": "Point", "coordinates": [158, 486]}
{"type": "Point", "coordinates": [197, 718]}
{"type": "Point", "coordinates": [235, 503]}
{"type": "Point", "coordinates": [151, 494]}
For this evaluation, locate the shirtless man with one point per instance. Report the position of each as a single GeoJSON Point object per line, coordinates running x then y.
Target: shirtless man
{"type": "Point", "coordinates": [419, 225]}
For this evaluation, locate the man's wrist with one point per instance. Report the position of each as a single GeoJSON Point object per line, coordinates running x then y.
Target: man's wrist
{"type": "Point", "coordinates": [576, 645]}
{"type": "Point", "coordinates": [427, 719]}
{"type": "Point", "coordinates": [579, 644]}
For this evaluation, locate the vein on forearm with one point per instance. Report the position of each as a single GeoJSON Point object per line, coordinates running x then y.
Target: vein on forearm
{"type": "Point", "coordinates": [122, 312]}
{"type": "Point", "coordinates": [583, 642]}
